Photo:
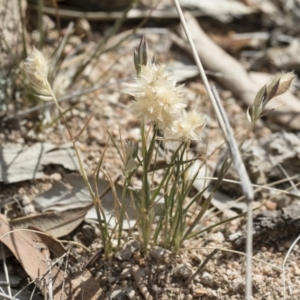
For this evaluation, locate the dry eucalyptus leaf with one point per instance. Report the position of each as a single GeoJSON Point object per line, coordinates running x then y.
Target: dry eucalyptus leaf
{"type": "Point", "coordinates": [19, 162]}
{"type": "Point", "coordinates": [57, 224]}
{"type": "Point", "coordinates": [73, 194]}
{"type": "Point", "coordinates": [31, 251]}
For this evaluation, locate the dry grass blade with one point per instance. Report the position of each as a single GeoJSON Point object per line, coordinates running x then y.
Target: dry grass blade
{"type": "Point", "coordinates": [234, 151]}
{"type": "Point", "coordinates": [226, 129]}
{"type": "Point", "coordinates": [42, 106]}
{"type": "Point", "coordinates": [84, 127]}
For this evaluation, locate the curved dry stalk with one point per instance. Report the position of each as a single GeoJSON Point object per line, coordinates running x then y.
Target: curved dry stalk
{"type": "Point", "coordinates": [227, 131]}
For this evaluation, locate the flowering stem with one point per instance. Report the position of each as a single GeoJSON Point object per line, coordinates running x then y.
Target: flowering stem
{"type": "Point", "coordinates": [146, 207]}
{"type": "Point", "coordinates": [96, 200]}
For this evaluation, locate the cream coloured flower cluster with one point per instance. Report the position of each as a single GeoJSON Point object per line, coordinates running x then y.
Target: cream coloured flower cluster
{"type": "Point", "coordinates": [159, 99]}
{"type": "Point", "coordinates": [36, 68]}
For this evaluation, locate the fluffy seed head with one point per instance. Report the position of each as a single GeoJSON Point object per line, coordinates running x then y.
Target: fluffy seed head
{"type": "Point", "coordinates": [36, 68]}
{"type": "Point", "coordinates": [187, 127]}
{"type": "Point", "coordinates": [157, 98]}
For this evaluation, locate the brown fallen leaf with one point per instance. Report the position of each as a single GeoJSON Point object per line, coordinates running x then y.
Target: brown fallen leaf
{"type": "Point", "coordinates": [30, 250]}
{"type": "Point", "coordinates": [72, 193]}
{"type": "Point", "coordinates": [55, 223]}
{"type": "Point", "coordinates": [237, 80]}
{"type": "Point", "coordinates": [56, 247]}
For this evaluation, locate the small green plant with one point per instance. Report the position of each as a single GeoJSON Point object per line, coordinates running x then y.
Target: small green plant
{"type": "Point", "coordinates": [159, 103]}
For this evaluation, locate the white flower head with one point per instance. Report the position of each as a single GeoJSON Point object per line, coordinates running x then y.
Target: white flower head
{"type": "Point", "coordinates": [157, 97]}
{"type": "Point", "coordinates": [36, 68]}
{"type": "Point", "coordinates": [187, 127]}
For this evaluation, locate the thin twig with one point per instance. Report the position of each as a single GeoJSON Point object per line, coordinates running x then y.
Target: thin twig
{"type": "Point", "coordinates": [59, 100]}
{"type": "Point", "coordinates": [5, 270]}
{"type": "Point", "coordinates": [65, 275]}
{"type": "Point", "coordinates": [3, 296]}
{"type": "Point", "coordinates": [247, 190]}
{"type": "Point", "coordinates": [50, 281]}
{"type": "Point", "coordinates": [202, 266]}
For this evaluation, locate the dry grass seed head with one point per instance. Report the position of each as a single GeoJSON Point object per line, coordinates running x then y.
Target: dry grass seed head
{"type": "Point", "coordinates": [37, 68]}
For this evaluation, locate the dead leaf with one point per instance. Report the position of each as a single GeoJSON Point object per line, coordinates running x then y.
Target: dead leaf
{"type": "Point", "coordinates": [73, 194]}
{"type": "Point", "coordinates": [28, 248]}
{"type": "Point", "coordinates": [19, 163]}
{"type": "Point", "coordinates": [55, 223]}
{"type": "Point", "coordinates": [57, 248]}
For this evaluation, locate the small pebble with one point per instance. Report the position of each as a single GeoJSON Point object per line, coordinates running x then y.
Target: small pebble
{"type": "Point", "coordinates": [125, 274]}
{"type": "Point", "coordinates": [25, 200]}
{"type": "Point", "coordinates": [128, 250]}
{"type": "Point", "coordinates": [195, 256]}
{"type": "Point", "coordinates": [56, 176]}
{"type": "Point", "coordinates": [198, 292]}
{"type": "Point", "coordinates": [160, 254]}
{"type": "Point", "coordinates": [296, 269]}
{"type": "Point", "coordinates": [218, 237]}
{"type": "Point", "coordinates": [89, 232]}
{"type": "Point", "coordinates": [130, 294]}
{"type": "Point", "coordinates": [29, 209]}
{"type": "Point", "coordinates": [183, 271]}
{"type": "Point", "coordinates": [270, 205]}
{"type": "Point", "coordinates": [206, 278]}
{"type": "Point", "coordinates": [112, 279]}
{"type": "Point", "coordinates": [117, 295]}
{"type": "Point", "coordinates": [156, 289]}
